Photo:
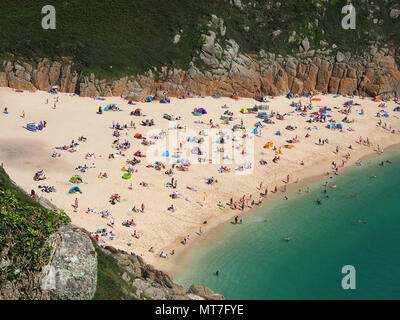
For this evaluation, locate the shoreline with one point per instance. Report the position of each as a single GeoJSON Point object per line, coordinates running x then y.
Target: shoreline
{"type": "Point", "coordinates": [184, 256]}
{"type": "Point", "coordinates": [163, 230]}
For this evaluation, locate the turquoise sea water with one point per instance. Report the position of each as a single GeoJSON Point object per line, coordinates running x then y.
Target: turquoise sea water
{"type": "Point", "coordinates": [255, 262]}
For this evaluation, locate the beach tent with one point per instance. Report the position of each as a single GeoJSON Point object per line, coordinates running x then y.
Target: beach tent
{"type": "Point", "coordinates": [244, 110]}
{"type": "Point", "coordinates": [196, 150]}
{"type": "Point", "coordinates": [269, 145]}
{"type": "Point", "coordinates": [74, 190]}
{"type": "Point", "coordinates": [149, 98]}
{"type": "Point", "coordinates": [111, 107]}
{"type": "Point", "coordinates": [138, 136]}
{"type": "Point", "coordinates": [165, 100]}
{"type": "Point", "coordinates": [226, 118]}
{"type": "Point", "coordinates": [165, 154]}
{"type": "Point", "coordinates": [397, 109]}
{"type": "Point", "coordinates": [235, 97]}
{"type": "Point", "coordinates": [330, 125]}
{"type": "Point", "coordinates": [76, 179]}
{"type": "Point", "coordinates": [316, 99]}
{"type": "Point", "coordinates": [124, 168]}
{"type": "Point", "coordinates": [202, 111]}
{"type": "Point", "coordinates": [262, 115]}
{"type": "Point", "coordinates": [131, 101]}
{"type": "Point", "coordinates": [185, 162]}
{"type": "Point", "coordinates": [31, 127]}
{"type": "Point", "coordinates": [339, 126]}
{"type": "Point", "coordinates": [255, 130]}
{"type": "Point", "coordinates": [126, 176]}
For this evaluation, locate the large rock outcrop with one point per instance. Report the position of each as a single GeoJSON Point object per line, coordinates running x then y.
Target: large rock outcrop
{"type": "Point", "coordinates": [71, 273]}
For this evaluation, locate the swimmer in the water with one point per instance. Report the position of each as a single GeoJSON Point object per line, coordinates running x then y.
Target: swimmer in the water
{"type": "Point", "coordinates": [374, 176]}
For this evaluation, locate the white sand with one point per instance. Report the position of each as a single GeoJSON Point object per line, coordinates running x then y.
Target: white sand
{"type": "Point", "coordinates": [23, 152]}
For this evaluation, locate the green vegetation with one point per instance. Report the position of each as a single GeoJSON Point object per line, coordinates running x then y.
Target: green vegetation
{"type": "Point", "coordinates": [24, 229]}
{"type": "Point", "coordinates": [116, 37]}
{"type": "Point", "coordinates": [110, 285]}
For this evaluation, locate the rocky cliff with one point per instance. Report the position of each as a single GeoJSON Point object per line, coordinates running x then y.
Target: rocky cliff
{"type": "Point", "coordinates": [226, 71]}
{"type": "Point", "coordinates": [71, 273]}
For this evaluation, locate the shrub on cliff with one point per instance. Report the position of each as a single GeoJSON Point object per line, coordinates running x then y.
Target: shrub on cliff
{"type": "Point", "coordinates": [24, 229]}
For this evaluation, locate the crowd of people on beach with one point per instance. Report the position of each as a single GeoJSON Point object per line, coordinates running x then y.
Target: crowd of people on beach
{"type": "Point", "coordinates": [236, 205]}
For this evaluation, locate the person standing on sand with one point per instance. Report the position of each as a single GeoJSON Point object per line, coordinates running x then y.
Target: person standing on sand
{"type": "Point", "coordinates": [288, 178]}
{"type": "Point", "coordinates": [23, 114]}
{"type": "Point", "coordinates": [142, 208]}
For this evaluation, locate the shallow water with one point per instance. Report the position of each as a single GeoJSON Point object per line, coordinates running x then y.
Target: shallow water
{"type": "Point", "coordinates": [255, 261]}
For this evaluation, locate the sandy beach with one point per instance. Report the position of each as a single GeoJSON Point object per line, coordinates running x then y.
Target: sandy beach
{"type": "Point", "coordinates": [24, 152]}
